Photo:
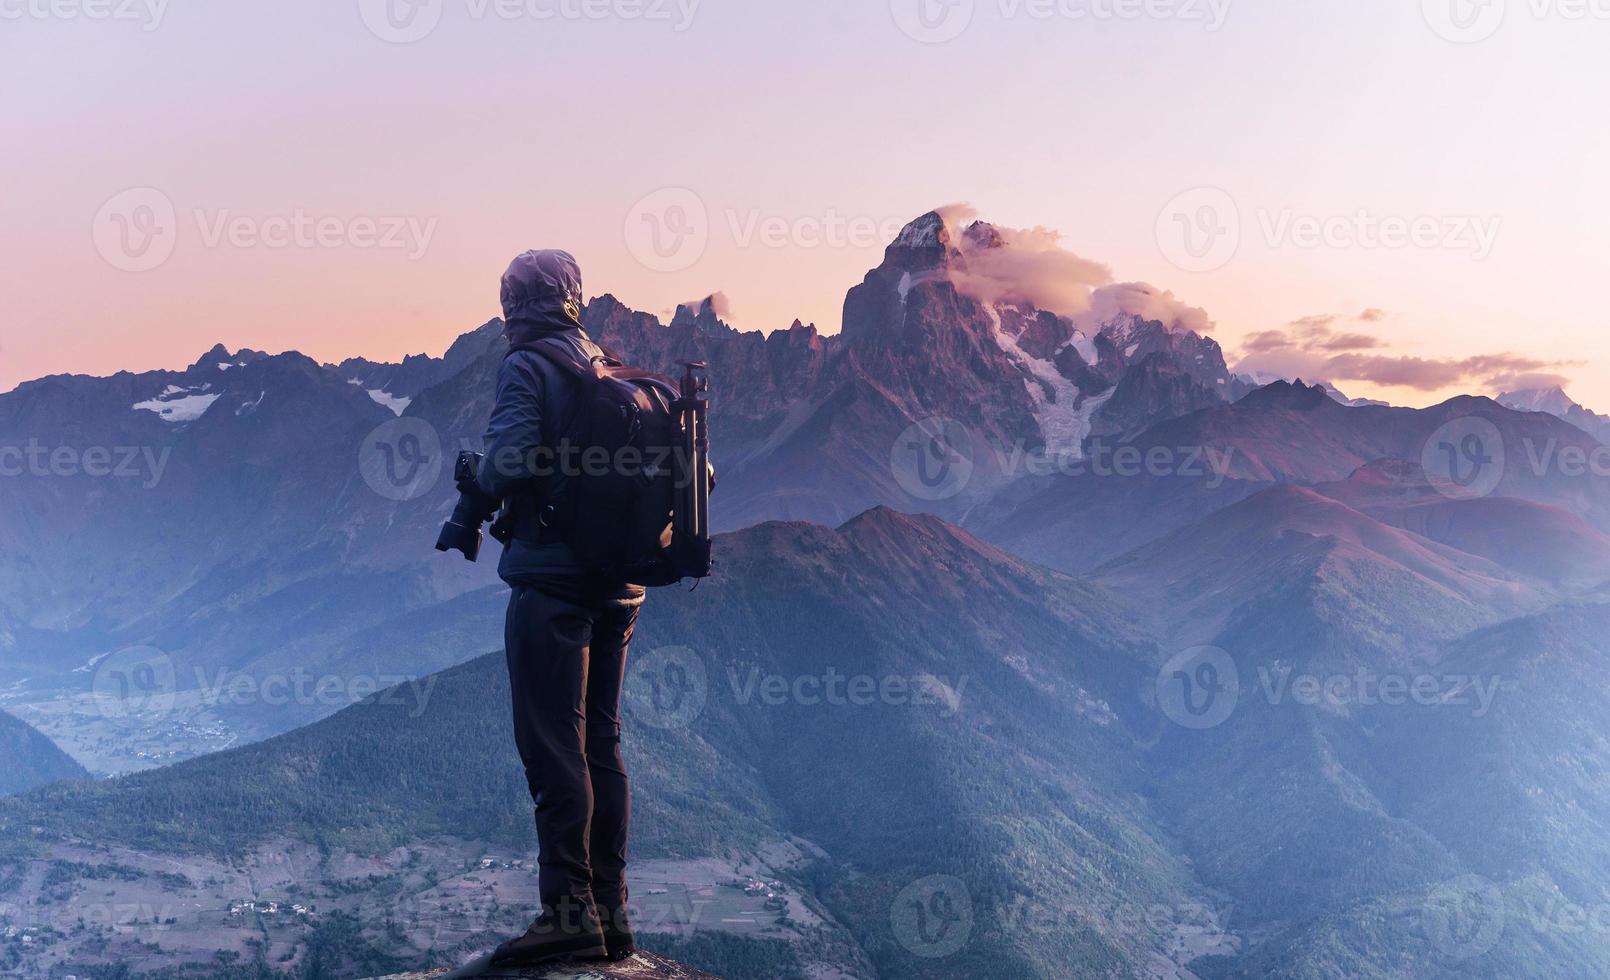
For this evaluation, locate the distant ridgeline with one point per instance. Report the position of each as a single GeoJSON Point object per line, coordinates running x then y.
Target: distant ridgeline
{"type": "Point", "coordinates": [29, 759]}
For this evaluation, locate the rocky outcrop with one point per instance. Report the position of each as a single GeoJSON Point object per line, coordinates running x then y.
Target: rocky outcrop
{"type": "Point", "coordinates": [642, 966]}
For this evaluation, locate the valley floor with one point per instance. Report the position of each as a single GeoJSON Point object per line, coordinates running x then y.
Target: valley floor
{"type": "Point", "coordinates": [430, 905]}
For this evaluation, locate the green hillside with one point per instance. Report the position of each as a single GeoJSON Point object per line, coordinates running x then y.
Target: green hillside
{"type": "Point", "coordinates": [31, 759]}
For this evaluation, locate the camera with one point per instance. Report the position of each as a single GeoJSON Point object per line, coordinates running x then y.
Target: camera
{"type": "Point", "coordinates": [462, 532]}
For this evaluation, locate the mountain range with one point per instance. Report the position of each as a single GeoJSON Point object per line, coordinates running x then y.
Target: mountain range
{"type": "Point", "coordinates": [1196, 677]}
{"type": "Point", "coordinates": [31, 759]}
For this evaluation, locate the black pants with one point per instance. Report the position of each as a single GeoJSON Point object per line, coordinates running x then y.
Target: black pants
{"type": "Point", "coordinates": [567, 662]}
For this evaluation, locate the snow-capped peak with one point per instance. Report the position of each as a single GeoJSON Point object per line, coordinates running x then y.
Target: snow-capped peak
{"type": "Point", "coordinates": [1553, 401]}
{"type": "Point", "coordinates": [928, 231]}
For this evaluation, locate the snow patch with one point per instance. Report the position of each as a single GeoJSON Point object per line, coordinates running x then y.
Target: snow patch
{"type": "Point", "coordinates": [251, 407]}
{"type": "Point", "coordinates": [186, 408]}
{"type": "Point", "coordinates": [396, 403]}
{"type": "Point", "coordinates": [922, 233]}
{"type": "Point", "coordinates": [93, 661]}
{"type": "Point", "coordinates": [1064, 422]}
{"type": "Point", "coordinates": [1083, 345]}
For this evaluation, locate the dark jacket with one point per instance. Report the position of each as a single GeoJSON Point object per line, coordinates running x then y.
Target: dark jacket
{"type": "Point", "coordinates": [535, 404]}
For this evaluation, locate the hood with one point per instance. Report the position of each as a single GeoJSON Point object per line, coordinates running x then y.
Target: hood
{"type": "Point", "coordinates": [541, 293]}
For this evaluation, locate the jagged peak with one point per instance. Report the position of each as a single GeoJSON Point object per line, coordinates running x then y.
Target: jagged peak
{"type": "Point", "coordinates": [928, 231]}
{"type": "Point", "coordinates": [885, 523]}
{"type": "Point", "coordinates": [1552, 400]}
{"type": "Point", "coordinates": [703, 316]}
{"type": "Point", "coordinates": [982, 235]}
{"type": "Point", "coordinates": [220, 359]}
{"type": "Point", "coordinates": [798, 334]}
{"type": "Point", "coordinates": [1289, 395]}
{"type": "Point", "coordinates": [607, 303]}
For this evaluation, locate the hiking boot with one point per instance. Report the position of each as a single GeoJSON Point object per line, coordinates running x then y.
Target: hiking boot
{"type": "Point", "coordinates": [617, 925]}
{"type": "Point", "coordinates": [618, 941]}
{"type": "Point", "coordinates": [569, 932]}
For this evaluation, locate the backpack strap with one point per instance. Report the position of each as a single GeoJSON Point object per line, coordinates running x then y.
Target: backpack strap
{"type": "Point", "coordinates": [564, 356]}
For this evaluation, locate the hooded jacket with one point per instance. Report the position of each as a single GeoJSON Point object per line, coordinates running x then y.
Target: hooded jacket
{"type": "Point", "coordinates": [535, 403]}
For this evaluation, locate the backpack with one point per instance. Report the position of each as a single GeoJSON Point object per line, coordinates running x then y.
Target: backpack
{"type": "Point", "coordinates": [632, 498]}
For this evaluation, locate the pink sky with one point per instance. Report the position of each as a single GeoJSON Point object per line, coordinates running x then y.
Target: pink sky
{"type": "Point", "coordinates": [802, 132]}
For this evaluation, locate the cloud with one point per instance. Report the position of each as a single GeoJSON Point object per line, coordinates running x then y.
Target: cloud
{"type": "Point", "coordinates": [1312, 333]}
{"type": "Point", "coordinates": [1145, 301]}
{"type": "Point", "coordinates": [1352, 341]}
{"type": "Point", "coordinates": [1536, 381]}
{"type": "Point", "coordinates": [719, 304]}
{"type": "Point", "coordinates": [1311, 348]}
{"type": "Point", "coordinates": [1265, 341]}
{"type": "Point", "coordinates": [1432, 374]}
{"type": "Point", "coordinates": [1029, 266]}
